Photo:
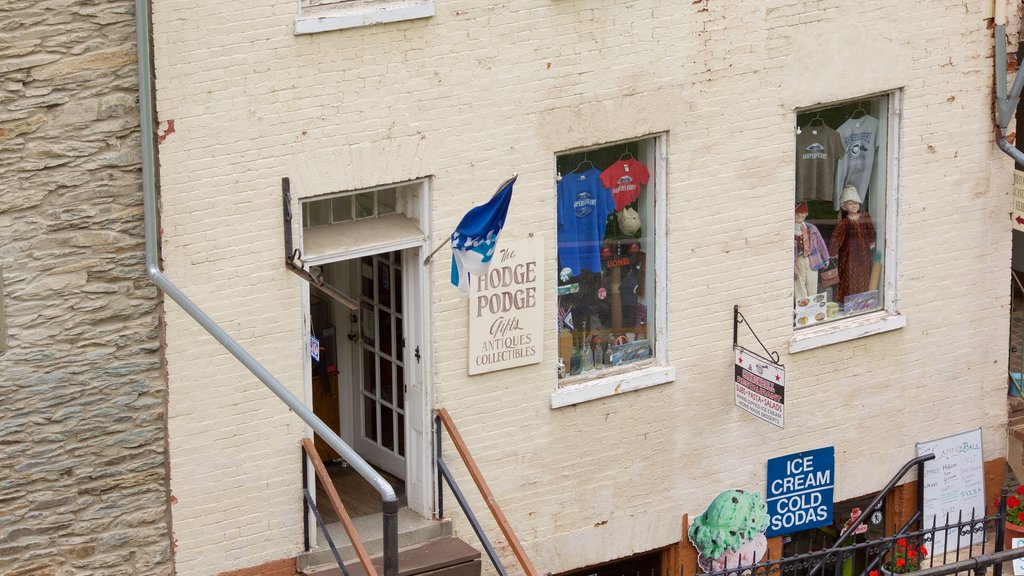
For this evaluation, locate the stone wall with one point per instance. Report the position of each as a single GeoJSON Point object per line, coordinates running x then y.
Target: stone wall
{"type": "Point", "coordinates": [83, 479]}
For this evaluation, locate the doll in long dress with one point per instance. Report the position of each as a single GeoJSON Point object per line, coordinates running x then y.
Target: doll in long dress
{"type": "Point", "coordinates": [853, 241]}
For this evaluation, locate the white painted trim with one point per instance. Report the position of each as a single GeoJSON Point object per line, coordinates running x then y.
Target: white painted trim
{"type": "Point", "coordinates": [366, 251]}
{"type": "Point", "coordinates": [889, 318]}
{"type": "Point", "coordinates": [612, 385]}
{"type": "Point", "coordinates": [661, 249]}
{"type": "Point", "coordinates": [656, 371]}
{"type": "Point", "coordinates": [345, 17]}
{"type": "Point", "coordinates": [858, 327]}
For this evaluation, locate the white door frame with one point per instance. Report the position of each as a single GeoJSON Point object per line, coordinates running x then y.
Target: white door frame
{"type": "Point", "coordinates": [419, 398]}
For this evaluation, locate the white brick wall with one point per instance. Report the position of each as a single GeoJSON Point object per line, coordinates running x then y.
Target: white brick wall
{"type": "Point", "coordinates": [484, 89]}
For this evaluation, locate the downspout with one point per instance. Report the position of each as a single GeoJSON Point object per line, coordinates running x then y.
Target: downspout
{"type": "Point", "coordinates": [1005, 104]}
{"type": "Point", "coordinates": [390, 501]}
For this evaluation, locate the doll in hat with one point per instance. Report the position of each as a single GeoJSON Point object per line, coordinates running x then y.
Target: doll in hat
{"type": "Point", "coordinates": [809, 254]}
{"type": "Point", "coordinates": [853, 242]}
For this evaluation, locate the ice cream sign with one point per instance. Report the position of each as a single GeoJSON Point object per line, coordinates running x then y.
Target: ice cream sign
{"type": "Point", "coordinates": [800, 489]}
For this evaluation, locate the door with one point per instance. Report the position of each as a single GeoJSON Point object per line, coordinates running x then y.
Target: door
{"type": "Point", "coordinates": [323, 366]}
{"type": "Point", "coordinates": [380, 378]}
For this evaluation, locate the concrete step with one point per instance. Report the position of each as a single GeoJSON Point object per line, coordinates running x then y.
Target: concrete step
{"type": "Point", "coordinates": [439, 557]}
{"type": "Point", "coordinates": [412, 530]}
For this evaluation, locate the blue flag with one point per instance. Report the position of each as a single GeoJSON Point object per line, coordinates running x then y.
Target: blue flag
{"type": "Point", "coordinates": [476, 236]}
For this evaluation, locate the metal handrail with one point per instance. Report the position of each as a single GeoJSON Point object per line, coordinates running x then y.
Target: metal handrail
{"type": "Point", "coordinates": [443, 418]}
{"type": "Point", "coordinates": [876, 503]}
{"type": "Point", "coordinates": [389, 499]}
{"type": "Point", "coordinates": [332, 497]}
{"type": "Point", "coordinates": [323, 528]}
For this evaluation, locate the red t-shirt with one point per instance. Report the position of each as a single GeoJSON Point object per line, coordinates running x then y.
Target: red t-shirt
{"type": "Point", "coordinates": [624, 179]}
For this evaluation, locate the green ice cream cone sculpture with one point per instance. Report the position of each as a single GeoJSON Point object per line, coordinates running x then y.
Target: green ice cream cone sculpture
{"type": "Point", "coordinates": [730, 533]}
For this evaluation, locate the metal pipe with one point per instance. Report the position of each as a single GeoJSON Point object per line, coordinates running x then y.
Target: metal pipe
{"type": "Point", "coordinates": [153, 269]}
{"type": "Point", "coordinates": [389, 510]}
{"type": "Point", "coordinates": [1006, 103]}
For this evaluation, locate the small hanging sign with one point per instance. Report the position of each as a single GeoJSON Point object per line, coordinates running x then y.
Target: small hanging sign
{"type": "Point", "coordinates": [760, 384]}
{"type": "Point", "coordinates": [314, 347]}
{"type": "Point", "coordinates": [760, 387]}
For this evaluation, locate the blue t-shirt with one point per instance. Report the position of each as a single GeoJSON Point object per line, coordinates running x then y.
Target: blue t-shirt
{"type": "Point", "coordinates": [584, 204]}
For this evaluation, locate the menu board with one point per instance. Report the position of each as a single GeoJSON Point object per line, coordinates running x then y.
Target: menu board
{"type": "Point", "coordinates": [954, 484]}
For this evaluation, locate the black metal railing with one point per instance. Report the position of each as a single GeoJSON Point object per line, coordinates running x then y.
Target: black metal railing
{"type": "Point", "coordinates": [311, 505]}
{"type": "Point", "coordinates": [443, 421]}
{"type": "Point", "coordinates": [950, 545]}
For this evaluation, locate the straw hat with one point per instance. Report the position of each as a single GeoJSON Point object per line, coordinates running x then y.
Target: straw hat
{"type": "Point", "coordinates": [850, 195]}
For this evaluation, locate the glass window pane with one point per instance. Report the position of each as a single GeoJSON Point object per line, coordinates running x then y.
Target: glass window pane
{"type": "Point", "coordinates": [369, 372]}
{"type": "Point", "coordinates": [386, 381]}
{"type": "Point", "coordinates": [838, 232]}
{"type": "Point", "coordinates": [384, 332]}
{"type": "Point", "coordinates": [317, 212]}
{"type": "Point", "coordinates": [386, 201]}
{"type": "Point", "coordinates": [341, 209]}
{"type": "Point", "coordinates": [368, 325]}
{"type": "Point", "coordinates": [400, 386]}
{"type": "Point", "coordinates": [387, 428]}
{"type": "Point", "coordinates": [383, 283]}
{"type": "Point", "coordinates": [606, 215]}
{"type": "Point", "coordinates": [364, 204]}
{"type": "Point", "coordinates": [366, 275]}
{"type": "Point", "coordinates": [401, 434]}
{"type": "Point", "coordinates": [369, 418]}
{"type": "Point", "coordinates": [398, 290]}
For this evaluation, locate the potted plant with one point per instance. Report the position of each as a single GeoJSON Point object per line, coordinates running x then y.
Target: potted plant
{"type": "Point", "coordinates": [1014, 518]}
{"type": "Point", "coordinates": [906, 557]}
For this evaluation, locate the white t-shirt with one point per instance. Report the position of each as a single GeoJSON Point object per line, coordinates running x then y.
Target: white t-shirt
{"type": "Point", "coordinates": [860, 142]}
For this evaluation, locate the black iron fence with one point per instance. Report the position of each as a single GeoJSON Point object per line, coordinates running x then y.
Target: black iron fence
{"type": "Point", "coordinates": [948, 546]}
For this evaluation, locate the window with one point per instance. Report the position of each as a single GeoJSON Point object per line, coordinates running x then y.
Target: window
{"type": "Point", "coordinates": [608, 236]}
{"type": "Point", "coordinates": [350, 206]}
{"type": "Point", "coordinates": [325, 15]}
{"type": "Point", "coordinates": [845, 195]}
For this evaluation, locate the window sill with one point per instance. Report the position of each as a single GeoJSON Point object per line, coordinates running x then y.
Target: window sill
{"type": "Point", "coordinates": [612, 385]}
{"type": "Point", "coordinates": [325, 18]}
{"type": "Point", "coordinates": [842, 331]}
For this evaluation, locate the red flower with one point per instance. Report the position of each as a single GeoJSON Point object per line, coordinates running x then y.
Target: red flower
{"type": "Point", "coordinates": [901, 562]}
{"type": "Point", "coordinates": [1020, 490]}
{"type": "Point", "coordinates": [902, 542]}
{"type": "Point", "coordinates": [1012, 501]}
{"type": "Point", "coordinates": [911, 555]}
{"type": "Point", "coordinates": [924, 551]}
{"type": "Point", "coordinates": [1020, 518]}
{"type": "Point", "coordinates": [873, 573]}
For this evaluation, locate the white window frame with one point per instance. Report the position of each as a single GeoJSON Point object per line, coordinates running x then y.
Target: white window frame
{"type": "Point", "coordinates": [889, 317]}
{"type": "Point", "coordinates": [343, 14]}
{"type": "Point", "coordinates": [656, 370]}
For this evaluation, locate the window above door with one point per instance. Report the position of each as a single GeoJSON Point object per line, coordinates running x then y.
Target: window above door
{"type": "Point", "coordinates": [353, 223]}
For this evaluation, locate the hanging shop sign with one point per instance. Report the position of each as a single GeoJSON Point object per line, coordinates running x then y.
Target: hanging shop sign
{"type": "Point", "coordinates": [760, 386]}
{"type": "Point", "coordinates": [506, 308]}
{"type": "Point", "coordinates": [800, 490]}
{"type": "Point", "coordinates": [954, 484]}
{"type": "Point", "coordinates": [1017, 215]}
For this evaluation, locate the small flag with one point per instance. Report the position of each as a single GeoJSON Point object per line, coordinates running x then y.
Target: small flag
{"type": "Point", "coordinates": [476, 236]}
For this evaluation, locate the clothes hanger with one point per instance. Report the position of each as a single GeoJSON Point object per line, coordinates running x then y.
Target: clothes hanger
{"type": "Point", "coordinates": [585, 161]}
{"type": "Point", "coordinates": [860, 108]}
{"type": "Point", "coordinates": [627, 155]}
{"type": "Point", "coordinates": [817, 118]}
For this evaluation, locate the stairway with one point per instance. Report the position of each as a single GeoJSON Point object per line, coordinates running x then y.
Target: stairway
{"type": "Point", "coordinates": [447, 556]}
{"type": "Point", "coordinates": [424, 546]}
